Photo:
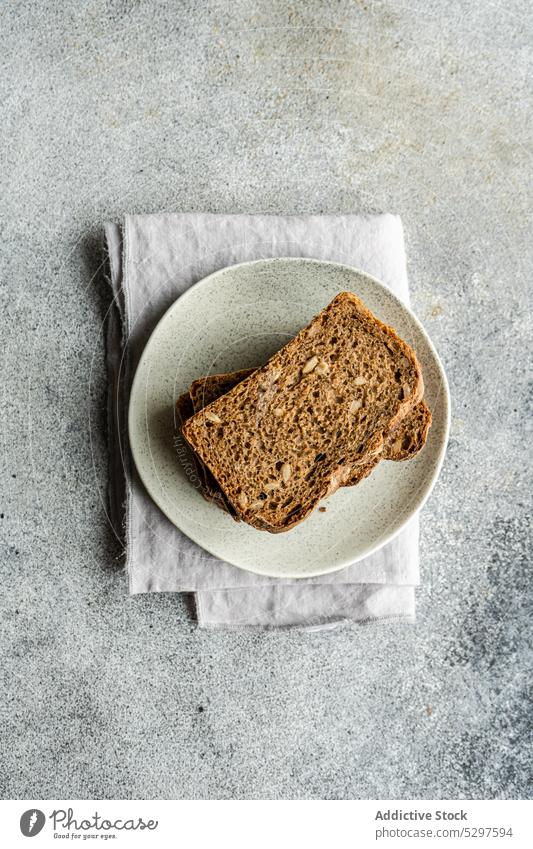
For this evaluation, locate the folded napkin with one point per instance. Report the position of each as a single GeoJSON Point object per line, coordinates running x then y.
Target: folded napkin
{"type": "Point", "coordinates": [152, 260]}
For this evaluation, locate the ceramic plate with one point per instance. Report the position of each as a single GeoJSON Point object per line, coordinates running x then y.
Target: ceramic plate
{"type": "Point", "coordinates": [237, 318]}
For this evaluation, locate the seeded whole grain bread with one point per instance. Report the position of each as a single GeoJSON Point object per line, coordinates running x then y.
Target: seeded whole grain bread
{"type": "Point", "coordinates": [410, 436]}
{"type": "Point", "coordinates": [320, 410]}
{"type": "Point", "coordinates": [201, 393]}
{"type": "Point", "coordinates": [185, 407]}
{"type": "Point", "coordinates": [406, 441]}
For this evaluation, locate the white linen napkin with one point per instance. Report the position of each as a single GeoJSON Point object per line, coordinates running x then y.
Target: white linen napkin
{"type": "Point", "coordinates": [153, 259]}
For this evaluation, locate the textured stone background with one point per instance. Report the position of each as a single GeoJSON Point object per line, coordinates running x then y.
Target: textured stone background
{"type": "Point", "coordinates": [417, 108]}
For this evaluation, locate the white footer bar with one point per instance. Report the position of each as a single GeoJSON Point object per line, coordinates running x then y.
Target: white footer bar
{"type": "Point", "coordinates": [267, 824]}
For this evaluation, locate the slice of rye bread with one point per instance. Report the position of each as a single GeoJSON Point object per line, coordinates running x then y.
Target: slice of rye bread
{"type": "Point", "coordinates": [406, 440]}
{"type": "Point", "coordinates": [202, 392]}
{"type": "Point", "coordinates": [294, 431]}
{"type": "Point", "coordinates": [402, 444]}
{"type": "Point", "coordinates": [410, 436]}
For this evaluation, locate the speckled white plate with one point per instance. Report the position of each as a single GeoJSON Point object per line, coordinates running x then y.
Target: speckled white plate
{"type": "Point", "coordinates": [237, 318]}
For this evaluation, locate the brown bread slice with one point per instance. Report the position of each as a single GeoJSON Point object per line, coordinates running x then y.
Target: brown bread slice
{"type": "Point", "coordinates": [406, 441]}
{"type": "Point", "coordinates": [293, 431]}
{"type": "Point", "coordinates": [403, 443]}
{"type": "Point", "coordinates": [410, 436]}
{"type": "Point", "coordinates": [202, 392]}
{"type": "Point", "coordinates": [184, 409]}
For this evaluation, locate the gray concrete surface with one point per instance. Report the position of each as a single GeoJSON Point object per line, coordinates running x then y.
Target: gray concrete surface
{"type": "Point", "coordinates": [414, 107]}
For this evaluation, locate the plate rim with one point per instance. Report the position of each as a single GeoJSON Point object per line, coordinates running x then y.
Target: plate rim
{"type": "Point", "coordinates": [419, 501]}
